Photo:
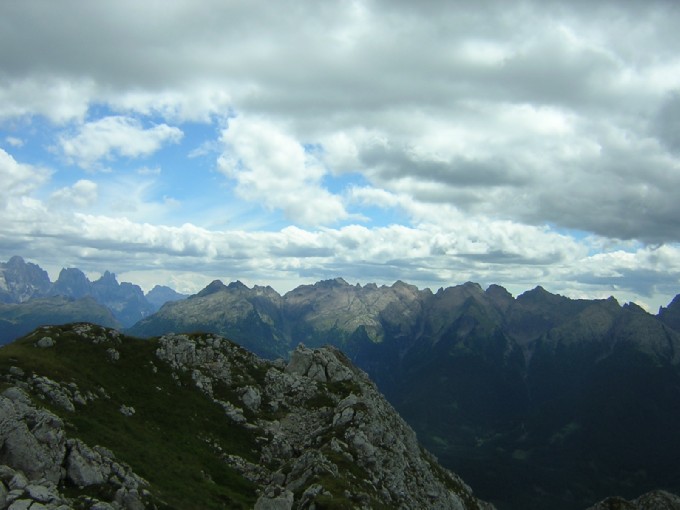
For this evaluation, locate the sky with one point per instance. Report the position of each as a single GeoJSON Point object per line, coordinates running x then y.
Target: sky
{"type": "Point", "coordinates": [281, 143]}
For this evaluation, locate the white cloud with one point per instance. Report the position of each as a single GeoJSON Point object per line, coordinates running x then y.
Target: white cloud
{"type": "Point", "coordinates": [82, 194]}
{"type": "Point", "coordinates": [14, 141]}
{"type": "Point", "coordinates": [19, 179]}
{"type": "Point", "coordinates": [196, 103]}
{"type": "Point", "coordinates": [60, 100]}
{"type": "Point", "coordinates": [273, 168]}
{"type": "Point", "coordinates": [478, 124]}
{"type": "Point", "coordinates": [116, 135]}
{"type": "Point", "coordinates": [145, 170]}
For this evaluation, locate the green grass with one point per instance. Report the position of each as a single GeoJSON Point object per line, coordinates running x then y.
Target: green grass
{"type": "Point", "coordinates": [168, 441]}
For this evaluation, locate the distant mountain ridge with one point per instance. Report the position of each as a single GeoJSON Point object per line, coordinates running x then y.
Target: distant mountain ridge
{"type": "Point", "coordinates": [498, 387]}
{"type": "Point", "coordinates": [531, 398]}
{"type": "Point", "coordinates": [21, 282]}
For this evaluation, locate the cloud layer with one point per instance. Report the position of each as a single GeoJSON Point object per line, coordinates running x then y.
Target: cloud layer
{"type": "Point", "coordinates": [434, 142]}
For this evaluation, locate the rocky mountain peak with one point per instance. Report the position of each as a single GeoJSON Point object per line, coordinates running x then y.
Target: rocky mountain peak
{"type": "Point", "coordinates": [332, 283]}
{"type": "Point", "coordinates": [538, 295]}
{"type": "Point", "coordinates": [500, 297]}
{"type": "Point", "coordinates": [71, 282]}
{"type": "Point", "coordinates": [670, 315]}
{"type": "Point", "coordinates": [108, 279]}
{"type": "Point", "coordinates": [162, 294]}
{"type": "Point", "coordinates": [21, 281]}
{"type": "Point", "coordinates": [237, 285]}
{"type": "Point", "coordinates": [212, 288]}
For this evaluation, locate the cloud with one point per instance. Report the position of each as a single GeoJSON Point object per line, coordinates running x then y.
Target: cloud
{"type": "Point", "coordinates": [14, 141]}
{"type": "Point", "coordinates": [82, 194]}
{"type": "Point", "coordinates": [273, 168]}
{"type": "Point", "coordinates": [666, 124]}
{"type": "Point", "coordinates": [516, 144]}
{"type": "Point", "coordinates": [59, 99]}
{"type": "Point", "coordinates": [116, 135]}
{"type": "Point", "coordinates": [19, 179]}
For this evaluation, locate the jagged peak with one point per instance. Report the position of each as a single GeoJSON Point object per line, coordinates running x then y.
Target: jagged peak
{"type": "Point", "coordinates": [539, 293]}
{"type": "Point", "coordinates": [108, 278]}
{"type": "Point", "coordinates": [634, 307]}
{"type": "Point", "coordinates": [473, 285]}
{"type": "Point", "coordinates": [403, 285]}
{"type": "Point", "coordinates": [213, 287]}
{"type": "Point", "coordinates": [237, 285]}
{"type": "Point", "coordinates": [67, 272]}
{"type": "Point", "coordinates": [334, 282]}
{"type": "Point", "coordinates": [498, 290]}
{"type": "Point", "coordinates": [16, 261]}
{"type": "Point", "coordinates": [673, 305]}
{"type": "Point", "coordinates": [463, 289]}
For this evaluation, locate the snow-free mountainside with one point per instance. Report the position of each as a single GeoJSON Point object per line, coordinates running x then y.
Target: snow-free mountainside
{"type": "Point", "coordinates": [536, 401]}
{"type": "Point", "coordinates": [91, 418]}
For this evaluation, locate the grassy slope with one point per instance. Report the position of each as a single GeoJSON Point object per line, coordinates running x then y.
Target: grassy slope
{"type": "Point", "coordinates": [166, 440]}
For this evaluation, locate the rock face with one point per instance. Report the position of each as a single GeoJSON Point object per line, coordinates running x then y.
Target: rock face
{"type": "Point", "coordinates": [333, 437]}
{"type": "Point", "coordinates": [21, 281]}
{"type": "Point", "coordinates": [313, 432]}
{"type": "Point", "coordinates": [37, 460]}
{"type": "Point", "coordinates": [161, 294]}
{"type": "Point", "coordinates": [72, 297]}
{"type": "Point", "coordinates": [496, 386]}
{"type": "Point", "coordinates": [655, 500]}
{"type": "Point", "coordinates": [17, 319]}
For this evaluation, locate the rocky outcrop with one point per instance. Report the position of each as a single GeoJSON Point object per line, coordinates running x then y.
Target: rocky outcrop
{"type": "Point", "coordinates": [655, 500]}
{"type": "Point", "coordinates": [313, 432]}
{"type": "Point", "coordinates": [326, 432]}
{"type": "Point", "coordinates": [222, 425]}
{"type": "Point", "coordinates": [37, 460]}
{"type": "Point", "coordinates": [31, 440]}
{"type": "Point", "coordinates": [21, 281]}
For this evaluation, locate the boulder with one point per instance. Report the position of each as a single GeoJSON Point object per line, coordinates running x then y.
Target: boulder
{"type": "Point", "coordinates": [31, 440]}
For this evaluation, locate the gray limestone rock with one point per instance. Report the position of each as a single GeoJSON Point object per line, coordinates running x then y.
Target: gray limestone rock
{"type": "Point", "coordinates": [35, 457]}
{"type": "Point", "coordinates": [113, 354]}
{"type": "Point", "coordinates": [55, 392]}
{"type": "Point", "coordinates": [31, 440]}
{"type": "Point", "coordinates": [127, 410]}
{"type": "Point", "coordinates": [84, 466]}
{"type": "Point", "coordinates": [16, 371]}
{"type": "Point", "coordinates": [323, 365]}
{"type": "Point", "coordinates": [45, 342]}
{"type": "Point", "coordinates": [315, 437]}
{"type": "Point", "coordinates": [654, 500]}
{"type": "Point", "coordinates": [21, 504]}
{"type": "Point", "coordinates": [282, 501]}
{"type": "Point", "coordinates": [251, 398]}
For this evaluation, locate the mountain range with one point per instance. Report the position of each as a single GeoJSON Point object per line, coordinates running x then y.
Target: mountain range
{"type": "Point", "coordinates": [71, 297]}
{"type": "Point", "coordinates": [90, 418]}
{"type": "Point", "coordinates": [532, 399]}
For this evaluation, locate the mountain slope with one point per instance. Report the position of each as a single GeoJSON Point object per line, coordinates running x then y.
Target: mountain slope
{"type": "Point", "coordinates": [162, 294]}
{"type": "Point", "coordinates": [251, 317]}
{"type": "Point", "coordinates": [194, 421]}
{"type": "Point", "coordinates": [18, 319]}
{"type": "Point", "coordinates": [517, 394]}
{"type": "Point", "coordinates": [22, 282]}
